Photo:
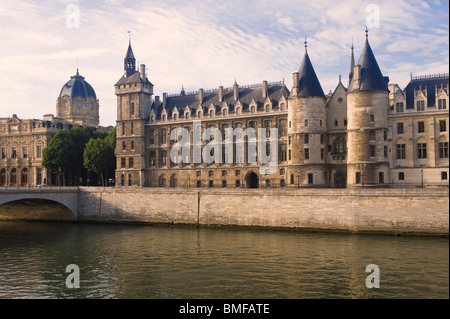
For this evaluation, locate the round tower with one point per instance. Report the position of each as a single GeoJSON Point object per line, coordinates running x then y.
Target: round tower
{"type": "Point", "coordinates": [367, 110]}
{"type": "Point", "coordinates": [307, 128]}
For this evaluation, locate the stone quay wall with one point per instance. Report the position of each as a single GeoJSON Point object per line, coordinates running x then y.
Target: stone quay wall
{"type": "Point", "coordinates": [398, 211]}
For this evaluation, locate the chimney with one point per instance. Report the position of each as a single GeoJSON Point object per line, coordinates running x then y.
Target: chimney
{"type": "Point", "coordinates": [264, 89]}
{"type": "Point", "coordinates": [200, 96]}
{"type": "Point", "coordinates": [164, 99]}
{"type": "Point", "coordinates": [236, 91]}
{"type": "Point", "coordinates": [142, 69]}
{"type": "Point", "coordinates": [357, 77]}
{"type": "Point", "coordinates": [156, 101]}
{"type": "Point", "coordinates": [220, 94]}
{"type": "Point", "coordinates": [295, 83]}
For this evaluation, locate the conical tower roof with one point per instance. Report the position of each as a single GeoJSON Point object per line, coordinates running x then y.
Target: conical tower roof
{"type": "Point", "coordinates": [309, 84]}
{"type": "Point", "coordinates": [371, 77]}
{"type": "Point", "coordinates": [129, 54]}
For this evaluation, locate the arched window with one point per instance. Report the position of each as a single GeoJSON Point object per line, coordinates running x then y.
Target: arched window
{"type": "Point", "coordinates": [252, 110]}
{"type": "Point", "coordinates": [175, 117]}
{"type": "Point", "coordinates": [173, 181]}
{"type": "Point", "coordinates": [163, 118]}
{"type": "Point", "coordinates": [162, 181]}
{"type": "Point", "coordinates": [211, 113]}
{"type": "Point", "coordinates": [268, 108]}
{"type": "Point", "coordinates": [238, 111]}
{"type": "Point", "coordinates": [339, 146]}
{"type": "Point", "coordinates": [282, 107]}
{"type": "Point", "coordinates": [199, 114]}
{"type": "Point", "coordinates": [224, 112]}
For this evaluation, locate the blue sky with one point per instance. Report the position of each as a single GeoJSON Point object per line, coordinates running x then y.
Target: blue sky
{"type": "Point", "coordinates": [204, 44]}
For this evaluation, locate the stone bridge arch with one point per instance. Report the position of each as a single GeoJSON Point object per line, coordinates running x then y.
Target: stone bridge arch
{"type": "Point", "coordinates": [39, 204]}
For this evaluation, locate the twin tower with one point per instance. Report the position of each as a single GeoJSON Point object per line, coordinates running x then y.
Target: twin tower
{"type": "Point", "coordinates": [307, 137]}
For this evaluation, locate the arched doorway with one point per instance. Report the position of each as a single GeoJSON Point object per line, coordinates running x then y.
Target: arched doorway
{"type": "Point", "coordinates": [252, 180]}
{"type": "Point", "coordinates": [3, 177]}
{"type": "Point", "coordinates": [13, 177]}
{"type": "Point", "coordinates": [340, 180]}
{"type": "Point", "coordinates": [173, 181]}
{"type": "Point", "coordinates": [24, 177]}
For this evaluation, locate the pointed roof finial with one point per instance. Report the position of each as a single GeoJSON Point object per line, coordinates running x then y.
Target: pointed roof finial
{"type": "Point", "coordinates": [306, 45]}
{"type": "Point", "coordinates": [129, 36]}
{"type": "Point", "coordinates": [367, 33]}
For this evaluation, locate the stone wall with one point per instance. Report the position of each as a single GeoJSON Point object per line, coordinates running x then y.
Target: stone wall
{"type": "Point", "coordinates": [353, 210]}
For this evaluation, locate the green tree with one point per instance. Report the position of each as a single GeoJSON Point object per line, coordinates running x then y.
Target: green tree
{"type": "Point", "coordinates": [58, 156]}
{"type": "Point", "coordinates": [80, 137]}
{"type": "Point", "coordinates": [99, 155]}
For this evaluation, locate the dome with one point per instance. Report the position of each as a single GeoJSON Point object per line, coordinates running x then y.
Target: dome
{"type": "Point", "coordinates": [77, 87]}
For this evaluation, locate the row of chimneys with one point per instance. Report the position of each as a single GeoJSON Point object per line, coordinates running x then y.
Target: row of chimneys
{"type": "Point", "coordinates": [201, 93]}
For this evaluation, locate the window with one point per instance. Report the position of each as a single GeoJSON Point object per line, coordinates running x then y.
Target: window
{"type": "Point", "coordinates": [444, 176]}
{"type": "Point", "coordinates": [163, 136]}
{"type": "Point", "coordinates": [290, 153]}
{"type": "Point", "coordinates": [372, 150]}
{"type": "Point", "coordinates": [306, 138]}
{"type": "Point", "coordinates": [442, 126]}
{"type": "Point", "coordinates": [123, 128]}
{"type": "Point", "coordinates": [132, 145]}
{"type": "Point", "coordinates": [132, 128]}
{"type": "Point", "coordinates": [358, 178]}
{"type": "Point", "coordinates": [132, 109]}
{"type": "Point", "coordinates": [123, 162]}
{"type": "Point", "coordinates": [130, 162]}
{"type": "Point", "coordinates": [124, 146]}
{"type": "Point", "coordinates": [336, 123]}
{"type": "Point", "coordinates": [163, 160]}
{"type": "Point", "coordinates": [282, 183]}
{"type": "Point", "coordinates": [339, 146]}
{"type": "Point", "coordinates": [399, 128]}
{"type": "Point", "coordinates": [385, 132]}
{"type": "Point", "coordinates": [292, 179]}
{"type": "Point", "coordinates": [3, 152]}
{"type": "Point", "coordinates": [401, 151]}
{"type": "Point", "coordinates": [14, 152]}
{"type": "Point", "coordinates": [372, 117]}
{"type": "Point", "coordinates": [345, 122]}
{"type": "Point", "coordinates": [252, 110]}
{"type": "Point", "coordinates": [211, 184]}
{"type": "Point", "coordinates": [282, 107]}
{"type": "Point", "coordinates": [399, 107]}
{"type": "Point", "coordinates": [237, 172]}
{"type": "Point", "coordinates": [322, 153]}
{"type": "Point", "coordinates": [39, 151]}
{"type": "Point", "coordinates": [210, 173]}
{"type": "Point", "coordinates": [322, 138]}
{"type": "Point", "coordinates": [306, 122]}
{"type": "Point", "coordinates": [211, 113]}
{"type": "Point", "coordinates": [268, 108]}
{"type": "Point", "coordinates": [129, 179]}
{"type": "Point", "coordinates": [385, 151]}
{"type": "Point", "coordinates": [25, 152]}
{"type": "Point", "coordinates": [401, 176]}
{"type": "Point", "coordinates": [122, 180]}
{"type": "Point", "coordinates": [238, 111]}
{"type": "Point", "coordinates": [283, 153]}
{"type": "Point", "coordinates": [199, 173]}
{"type": "Point", "coordinates": [238, 183]}
{"type": "Point", "coordinates": [442, 104]}
{"type": "Point", "coordinates": [320, 122]}
{"type": "Point", "coordinates": [175, 117]}
{"type": "Point", "coordinates": [224, 184]}
{"type": "Point", "coordinates": [422, 150]}
{"type": "Point", "coordinates": [283, 123]}
{"type": "Point", "coordinates": [310, 178]}
{"type": "Point", "coordinates": [443, 150]}
{"type": "Point", "coordinates": [421, 127]}
{"type": "Point", "coordinates": [420, 105]}
{"type": "Point", "coordinates": [372, 135]}
{"type": "Point", "coordinates": [306, 153]}
{"type": "Point", "coordinates": [224, 112]}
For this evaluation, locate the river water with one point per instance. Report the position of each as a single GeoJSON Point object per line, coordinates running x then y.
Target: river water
{"type": "Point", "coordinates": [158, 262]}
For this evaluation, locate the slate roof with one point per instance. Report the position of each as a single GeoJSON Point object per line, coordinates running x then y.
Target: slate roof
{"type": "Point", "coordinates": [246, 96]}
{"type": "Point", "coordinates": [371, 77]}
{"type": "Point", "coordinates": [430, 82]}
{"type": "Point", "coordinates": [77, 87]}
{"type": "Point", "coordinates": [309, 84]}
{"type": "Point", "coordinates": [134, 78]}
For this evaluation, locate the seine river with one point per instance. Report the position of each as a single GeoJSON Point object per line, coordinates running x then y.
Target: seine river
{"type": "Point", "coordinates": [159, 262]}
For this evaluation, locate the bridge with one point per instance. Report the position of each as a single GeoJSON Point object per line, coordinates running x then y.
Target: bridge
{"type": "Point", "coordinates": [39, 203]}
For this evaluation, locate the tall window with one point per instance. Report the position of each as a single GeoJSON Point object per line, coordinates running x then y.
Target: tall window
{"type": "Point", "coordinates": [306, 138]}
{"type": "Point", "coordinates": [39, 176]}
{"type": "Point", "coordinates": [132, 109]}
{"type": "Point", "coordinates": [421, 127]}
{"type": "Point", "coordinates": [163, 136]}
{"type": "Point", "coordinates": [130, 162]}
{"type": "Point", "coordinates": [306, 153]}
{"type": "Point", "coordinates": [399, 128]}
{"type": "Point", "coordinates": [39, 151]}
{"type": "Point", "coordinates": [372, 135]}
{"type": "Point", "coordinates": [399, 107]}
{"type": "Point", "coordinates": [339, 146]}
{"type": "Point", "coordinates": [163, 160]}
{"type": "Point", "coordinates": [358, 178]}
{"type": "Point", "coordinates": [252, 110]}
{"type": "Point", "coordinates": [3, 152]}
{"type": "Point", "coordinates": [443, 150]}
{"type": "Point", "coordinates": [132, 128]}
{"type": "Point", "coordinates": [25, 152]}
{"type": "Point", "coordinates": [442, 126]}
{"type": "Point", "coordinates": [372, 150]}
{"type": "Point", "coordinates": [401, 151]}
{"type": "Point", "coordinates": [442, 104]}
{"type": "Point", "coordinates": [123, 162]}
{"type": "Point", "coordinates": [310, 179]}
{"type": "Point", "coordinates": [420, 105]}
{"type": "Point", "coordinates": [422, 150]}
{"type": "Point", "coordinates": [283, 153]}
{"type": "Point", "coordinates": [238, 111]}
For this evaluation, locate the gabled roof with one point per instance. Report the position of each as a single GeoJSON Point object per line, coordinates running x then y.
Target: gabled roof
{"type": "Point", "coordinates": [422, 82]}
{"type": "Point", "coordinates": [309, 84]}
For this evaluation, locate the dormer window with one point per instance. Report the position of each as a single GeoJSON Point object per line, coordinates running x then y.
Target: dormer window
{"type": "Point", "coordinates": [420, 106]}
{"type": "Point", "coordinates": [399, 107]}
{"type": "Point", "coordinates": [163, 118]}
{"type": "Point", "coordinates": [282, 107]}
{"type": "Point", "coordinates": [175, 117]}
{"type": "Point", "coordinates": [224, 112]}
{"type": "Point", "coordinates": [211, 113]}
{"type": "Point", "coordinates": [238, 111]}
{"type": "Point", "coordinates": [199, 114]}
{"type": "Point", "coordinates": [252, 109]}
{"type": "Point", "coordinates": [442, 104]}
{"type": "Point", "coordinates": [268, 108]}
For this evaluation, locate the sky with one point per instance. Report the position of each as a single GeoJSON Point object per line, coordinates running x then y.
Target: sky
{"type": "Point", "coordinates": [205, 44]}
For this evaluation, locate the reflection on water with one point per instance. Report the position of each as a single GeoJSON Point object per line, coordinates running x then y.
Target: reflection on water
{"type": "Point", "coordinates": [125, 261]}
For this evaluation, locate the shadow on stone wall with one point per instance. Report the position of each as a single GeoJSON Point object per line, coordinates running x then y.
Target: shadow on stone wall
{"type": "Point", "coordinates": [35, 209]}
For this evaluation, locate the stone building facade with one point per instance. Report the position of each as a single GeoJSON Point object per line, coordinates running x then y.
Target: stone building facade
{"type": "Point", "coordinates": [22, 140]}
{"type": "Point", "coordinates": [347, 138]}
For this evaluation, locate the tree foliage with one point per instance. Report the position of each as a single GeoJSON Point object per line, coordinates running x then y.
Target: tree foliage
{"type": "Point", "coordinates": [58, 156]}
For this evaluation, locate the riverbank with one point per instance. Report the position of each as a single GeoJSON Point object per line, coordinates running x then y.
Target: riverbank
{"type": "Point", "coordinates": [390, 211]}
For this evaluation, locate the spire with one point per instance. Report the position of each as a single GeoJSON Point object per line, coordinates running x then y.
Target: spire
{"type": "Point", "coordinates": [306, 45]}
{"type": "Point", "coordinates": [352, 64]}
{"type": "Point", "coordinates": [309, 84]}
{"type": "Point", "coordinates": [129, 61]}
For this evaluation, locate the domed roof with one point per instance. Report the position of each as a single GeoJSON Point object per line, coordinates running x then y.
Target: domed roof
{"type": "Point", "coordinates": [77, 87]}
